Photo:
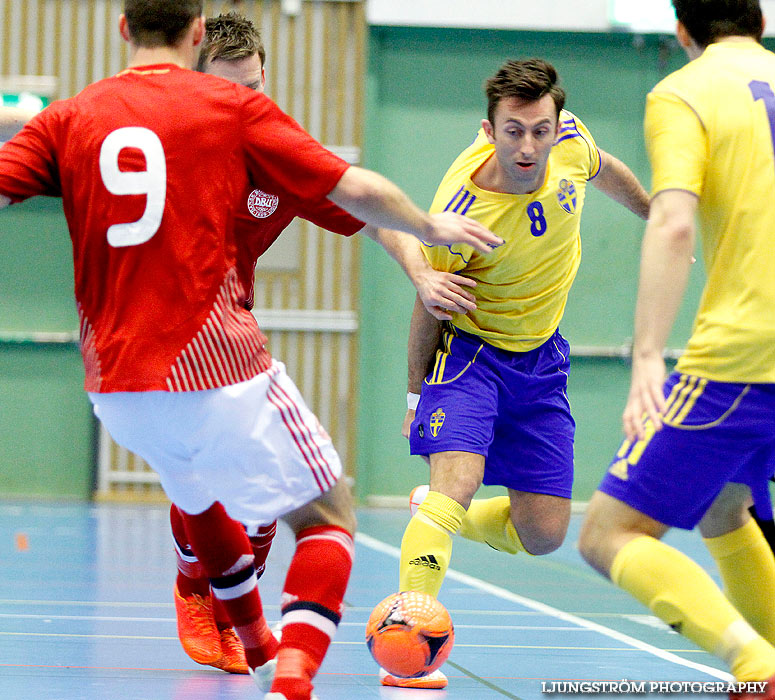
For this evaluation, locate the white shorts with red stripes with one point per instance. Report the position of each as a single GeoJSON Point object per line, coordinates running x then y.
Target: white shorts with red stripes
{"type": "Point", "coordinates": [254, 446]}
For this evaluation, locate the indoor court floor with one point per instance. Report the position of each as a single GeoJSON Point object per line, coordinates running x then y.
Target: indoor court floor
{"type": "Point", "coordinates": [86, 613]}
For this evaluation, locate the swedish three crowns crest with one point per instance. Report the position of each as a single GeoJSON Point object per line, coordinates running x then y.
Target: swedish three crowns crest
{"type": "Point", "coordinates": [437, 420]}
{"type": "Point", "coordinates": [566, 195]}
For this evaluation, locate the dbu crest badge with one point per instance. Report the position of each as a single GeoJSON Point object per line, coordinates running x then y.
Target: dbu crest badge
{"type": "Point", "coordinates": [261, 204]}
{"type": "Point", "coordinates": [437, 420]}
{"type": "Point", "coordinates": [566, 195]}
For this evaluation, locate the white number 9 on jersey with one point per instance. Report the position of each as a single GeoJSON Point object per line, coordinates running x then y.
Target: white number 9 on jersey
{"type": "Point", "coordinates": [152, 182]}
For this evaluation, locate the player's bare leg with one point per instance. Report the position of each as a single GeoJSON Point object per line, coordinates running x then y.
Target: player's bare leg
{"type": "Point", "coordinates": [520, 522]}
{"type": "Point", "coordinates": [540, 520]}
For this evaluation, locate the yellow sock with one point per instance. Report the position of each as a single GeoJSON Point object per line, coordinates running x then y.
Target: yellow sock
{"type": "Point", "coordinates": [427, 544]}
{"type": "Point", "coordinates": [488, 520]}
{"type": "Point", "coordinates": [747, 568]}
{"type": "Point", "coordinates": [680, 593]}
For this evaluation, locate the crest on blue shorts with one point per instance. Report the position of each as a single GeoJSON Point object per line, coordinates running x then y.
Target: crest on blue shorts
{"type": "Point", "coordinates": [566, 195]}
{"type": "Point", "coordinates": [437, 420]}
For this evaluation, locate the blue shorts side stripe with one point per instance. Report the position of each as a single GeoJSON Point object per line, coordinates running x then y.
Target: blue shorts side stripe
{"type": "Point", "coordinates": [721, 418]}
{"type": "Point", "coordinates": [437, 375]}
{"type": "Point", "coordinates": [627, 446]}
{"type": "Point", "coordinates": [441, 379]}
{"type": "Point", "coordinates": [699, 386]}
{"type": "Point", "coordinates": [446, 341]}
{"type": "Point", "coordinates": [678, 396]}
{"type": "Point", "coordinates": [441, 354]}
{"type": "Point", "coordinates": [639, 446]}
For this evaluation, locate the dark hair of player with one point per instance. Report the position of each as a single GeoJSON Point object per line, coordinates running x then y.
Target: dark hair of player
{"type": "Point", "coordinates": [154, 23]}
{"type": "Point", "coordinates": [710, 20]}
{"type": "Point", "coordinates": [529, 80]}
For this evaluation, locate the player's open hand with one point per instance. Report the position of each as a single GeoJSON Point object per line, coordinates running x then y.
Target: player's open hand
{"type": "Point", "coordinates": [449, 228]}
{"type": "Point", "coordinates": [407, 426]}
{"type": "Point", "coordinates": [444, 293]}
{"type": "Point", "coordinates": [646, 401]}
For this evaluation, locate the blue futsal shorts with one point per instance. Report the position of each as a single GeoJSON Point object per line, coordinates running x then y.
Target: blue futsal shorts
{"type": "Point", "coordinates": [713, 433]}
{"type": "Point", "coordinates": [510, 407]}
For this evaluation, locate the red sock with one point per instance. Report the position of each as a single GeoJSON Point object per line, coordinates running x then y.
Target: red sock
{"type": "Point", "coordinates": [191, 577]}
{"type": "Point", "coordinates": [224, 552]}
{"type": "Point", "coordinates": [312, 608]}
{"type": "Point", "coordinates": [261, 543]}
{"type": "Point", "coordinates": [222, 619]}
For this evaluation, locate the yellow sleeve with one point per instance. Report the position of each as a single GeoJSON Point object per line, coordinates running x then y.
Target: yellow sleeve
{"type": "Point", "coordinates": [594, 153]}
{"type": "Point", "coordinates": [447, 258]}
{"type": "Point", "coordinates": [677, 144]}
{"type": "Point", "coordinates": [441, 257]}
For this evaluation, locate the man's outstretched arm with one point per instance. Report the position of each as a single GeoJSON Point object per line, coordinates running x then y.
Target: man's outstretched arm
{"type": "Point", "coordinates": [375, 200]}
{"type": "Point", "coordinates": [617, 181]}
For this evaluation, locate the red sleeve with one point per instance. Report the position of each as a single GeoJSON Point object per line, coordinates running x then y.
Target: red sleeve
{"type": "Point", "coordinates": [28, 161]}
{"type": "Point", "coordinates": [328, 216]}
{"type": "Point", "coordinates": [281, 155]}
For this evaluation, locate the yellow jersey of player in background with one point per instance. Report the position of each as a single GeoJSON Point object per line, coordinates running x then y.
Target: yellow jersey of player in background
{"type": "Point", "coordinates": [723, 153]}
{"type": "Point", "coordinates": [522, 286]}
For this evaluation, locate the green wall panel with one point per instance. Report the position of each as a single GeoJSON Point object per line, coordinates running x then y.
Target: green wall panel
{"type": "Point", "coordinates": [36, 268]}
{"type": "Point", "coordinates": [45, 420]}
{"type": "Point", "coordinates": [46, 446]}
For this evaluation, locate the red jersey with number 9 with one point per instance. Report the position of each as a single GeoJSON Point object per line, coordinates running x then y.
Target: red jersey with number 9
{"type": "Point", "coordinates": [152, 166]}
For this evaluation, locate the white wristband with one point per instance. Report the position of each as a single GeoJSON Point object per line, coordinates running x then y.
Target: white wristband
{"type": "Point", "coordinates": [412, 400]}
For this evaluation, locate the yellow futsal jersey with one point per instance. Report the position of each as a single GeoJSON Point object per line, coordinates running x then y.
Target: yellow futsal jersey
{"type": "Point", "coordinates": [710, 130]}
{"type": "Point", "coordinates": [522, 286]}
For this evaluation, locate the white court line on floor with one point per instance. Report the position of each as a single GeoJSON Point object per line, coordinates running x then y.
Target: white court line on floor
{"type": "Point", "coordinates": [344, 623]}
{"type": "Point", "coordinates": [86, 636]}
{"type": "Point", "coordinates": [87, 603]}
{"type": "Point", "coordinates": [90, 618]}
{"type": "Point", "coordinates": [498, 592]}
{"type": "Point", "coordinates": [103, 604]}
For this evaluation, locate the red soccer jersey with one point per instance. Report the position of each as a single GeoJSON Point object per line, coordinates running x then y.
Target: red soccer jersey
{"type": "Point", "coordinates": [152, 166]}
{"type": "Point", "coordinates": [263, 216]}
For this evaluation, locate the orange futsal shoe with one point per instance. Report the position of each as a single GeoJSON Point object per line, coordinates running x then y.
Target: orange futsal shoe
{"type": "Point", "coordinates": [233, 653]}
{"type": "Point", "coordinates": [196, 628]}
{"type": "Point", "coordinates": [433, 681]}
